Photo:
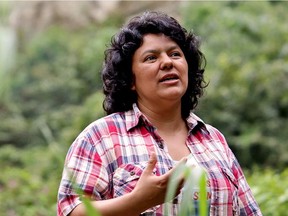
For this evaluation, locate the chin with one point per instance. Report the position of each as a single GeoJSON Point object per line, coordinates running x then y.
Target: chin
{"type": "Point", "coordinates": [174, 96]}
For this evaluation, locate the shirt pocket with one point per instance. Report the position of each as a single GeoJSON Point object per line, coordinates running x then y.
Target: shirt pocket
{"type": "Point", "coordinates": [234, 190]}
{"type": "Point", "coordinates": [125, 179]}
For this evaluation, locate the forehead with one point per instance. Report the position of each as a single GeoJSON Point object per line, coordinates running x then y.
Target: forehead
{"type": "Point", "coordinates": [150, 39]}
{"type": "Point", "coordinates": [156, 42]}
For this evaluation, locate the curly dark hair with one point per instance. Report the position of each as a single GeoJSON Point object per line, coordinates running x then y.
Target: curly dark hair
{"type": "Point", "coordinates": [117, 73]}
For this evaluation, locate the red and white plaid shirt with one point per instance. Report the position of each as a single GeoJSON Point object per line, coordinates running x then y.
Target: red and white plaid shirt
{"type": "Point", "coordinates": [108, 157]}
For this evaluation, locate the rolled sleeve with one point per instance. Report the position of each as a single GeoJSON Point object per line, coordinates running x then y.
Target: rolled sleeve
{"type": "Point", "coordinates": [84, 173]}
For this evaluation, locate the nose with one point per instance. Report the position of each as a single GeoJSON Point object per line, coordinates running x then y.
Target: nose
{"type": "Point", "coordinates": [166, 62]}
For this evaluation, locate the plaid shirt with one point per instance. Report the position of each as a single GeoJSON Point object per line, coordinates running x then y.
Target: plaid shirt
{"type": "Point", "coordinates": [108, 157]}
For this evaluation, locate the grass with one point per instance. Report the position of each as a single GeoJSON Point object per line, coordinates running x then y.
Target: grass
{"type": "Point", "coordinates": [194, 177]}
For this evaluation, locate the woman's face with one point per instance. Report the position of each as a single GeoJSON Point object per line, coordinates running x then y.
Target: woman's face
{"type": "Point", "coordinates": [160, 71]}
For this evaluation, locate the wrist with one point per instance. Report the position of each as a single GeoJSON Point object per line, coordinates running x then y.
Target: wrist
{"type": "Point", "coordinates": [138, 202]}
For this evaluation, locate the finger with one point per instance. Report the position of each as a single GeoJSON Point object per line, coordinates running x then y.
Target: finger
{"type": "Point", "coordinates": [151, 163]}
{"type": "Point", "coordinates": [180, 163]}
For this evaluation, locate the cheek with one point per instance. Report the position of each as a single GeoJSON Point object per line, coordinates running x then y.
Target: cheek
{"type": "Point", "coordinates": [185, 73]}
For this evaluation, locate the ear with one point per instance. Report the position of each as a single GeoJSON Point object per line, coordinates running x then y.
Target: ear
{"type": "Point", "coordinates": [133, 83]}
{"type": "Point", "coordinates": [133, 87]}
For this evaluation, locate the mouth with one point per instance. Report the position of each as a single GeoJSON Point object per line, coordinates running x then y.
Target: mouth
{"type": "Point", "coordinates": [169, 77]}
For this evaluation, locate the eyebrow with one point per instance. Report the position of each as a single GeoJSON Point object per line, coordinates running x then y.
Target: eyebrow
{"type": "Point", "coordinates": [157, 51]}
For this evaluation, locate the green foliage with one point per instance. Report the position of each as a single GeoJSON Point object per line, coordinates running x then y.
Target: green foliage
{"type": "Point", "coordinates": [193, 178]}
{"type": "Point", "coordinates": [52, 92]}
{"type": "Point", "coordinates": [245, 44]}
{"type": "Point", "coordinates": [270, 189]}
{"type": "Point", "coordinates": [90, 210]}
{"type": "Point", "coordinates": [88, 112]}
{"type": "Point", "coordinates": [29, 180]}
{"type": "Point", "coordinates": [56, 72]}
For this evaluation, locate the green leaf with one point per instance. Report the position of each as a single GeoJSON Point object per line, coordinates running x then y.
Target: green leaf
{"type": "Point", "coordinates": [186, 205]}
{"type": "Point", "coordinates": [203, 195]}
{"type": "Point", "coordinates": [173, 183]}
{"type": "Point", "coordinates": [90, 210]}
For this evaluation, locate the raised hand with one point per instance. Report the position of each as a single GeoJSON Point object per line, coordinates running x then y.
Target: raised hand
{"type": "Point", "coordinates": [151, 189]}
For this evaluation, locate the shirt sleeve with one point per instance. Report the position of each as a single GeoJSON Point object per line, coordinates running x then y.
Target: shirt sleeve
{"type": "Point", "coordinates": [83, 173]}
{"type": "Point", "coordinates": [247, 203]}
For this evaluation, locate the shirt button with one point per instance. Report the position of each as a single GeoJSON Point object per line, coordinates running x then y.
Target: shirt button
{"type": "Point", "coordinates": [175, 200]}
{"type": "Point", "coordinates": [169, 168]}
{"type": "Point", "coordinates": [132, 173]}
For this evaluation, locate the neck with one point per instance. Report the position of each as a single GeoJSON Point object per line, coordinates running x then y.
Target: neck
{"type": "Point", "coordinates": [165, 118]}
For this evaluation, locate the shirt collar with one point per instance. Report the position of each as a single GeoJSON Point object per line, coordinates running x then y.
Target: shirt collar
{"type": "Point", "coordinates": [194, 122]}
{"type": "Point", "coordinates": [135, 116]}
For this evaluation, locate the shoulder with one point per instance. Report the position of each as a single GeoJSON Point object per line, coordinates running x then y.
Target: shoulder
{"type": "Point", "coordinates": [213, 132]}
{"type": "Point", "coordinates": [104, 125]}
{"type": "Point", "coordinates": [97, 135]}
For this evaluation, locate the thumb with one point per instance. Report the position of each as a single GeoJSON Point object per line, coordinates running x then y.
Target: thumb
{"type": "Point", "coordinates": [151, 163]}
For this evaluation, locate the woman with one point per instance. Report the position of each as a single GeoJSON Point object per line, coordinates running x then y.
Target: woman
{"type": "Point", "coordinates": [152, 80]}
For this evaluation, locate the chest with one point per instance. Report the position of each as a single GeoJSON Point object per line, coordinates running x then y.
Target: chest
{"type": "Point", "coordinates": [175, 145]}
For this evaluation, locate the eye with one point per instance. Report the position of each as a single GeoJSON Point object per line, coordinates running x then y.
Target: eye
{"type": "Point", "coordinates": [150, 58]}
{"type": "Point", "coordinates": [175, 54]}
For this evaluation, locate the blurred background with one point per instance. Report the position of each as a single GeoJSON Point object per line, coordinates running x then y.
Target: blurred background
{"type": "Point", "coordinates": [51, 53]}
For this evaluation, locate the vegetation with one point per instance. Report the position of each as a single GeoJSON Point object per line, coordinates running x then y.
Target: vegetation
{"type": "Point", "coordinates": [270, 189]}
{"type": "Point", "coordinates": [194, 178]}
{"type": "Point", "coordinates": [53, 90]}
{"type": "Point", "coordinates": [247, 97]}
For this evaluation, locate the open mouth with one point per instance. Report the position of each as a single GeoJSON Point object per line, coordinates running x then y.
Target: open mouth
{"type": "Point", "coordinates": [169, 77]}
